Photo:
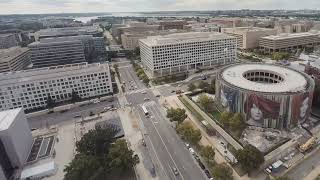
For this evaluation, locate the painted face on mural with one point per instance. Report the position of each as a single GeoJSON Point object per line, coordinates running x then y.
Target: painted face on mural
{"type": "Point", "coordinates": [304, 107]}
{"type": "Point", "coordinates": [256, 113]}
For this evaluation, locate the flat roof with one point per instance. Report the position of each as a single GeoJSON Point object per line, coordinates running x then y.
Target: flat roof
{"type": "Point", "coordinates": [7, 55]}
{"type": "Point", "coordinates": [247, 29]}
{"type": "Point", "coordinates": [178, 38]}
{"type": "Point", "coordinates": [7, 117]}
{"type": "Point", "coordinates": [293, 81]}
{"type": "Point", "coordinates": [292, 35]}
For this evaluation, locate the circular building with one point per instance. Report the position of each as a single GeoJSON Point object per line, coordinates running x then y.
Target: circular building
{"type": "Point", "coordinates": [267, 95]}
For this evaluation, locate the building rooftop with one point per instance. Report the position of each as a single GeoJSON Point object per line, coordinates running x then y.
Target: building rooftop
{"type": "Point", "coordinates": [5, 35]}
{"type": "Point", "coordinates": [292, 35]}
{"type": "Point", "coordinates": [178, 38]}
{"type": "Point", "coordinates": [7, 117]}
{"type": "Point", "coordinates": [66, 38]}
{"type": "Point", "coordinates": [7, 55]}
{"type": "Point", "coordinates": [67, 30]}
{"type": "Point", "coordinates": [17, 77]}
{"type": "Point", "coordinates": [248, 29]}
{"type": "Point", "coordinates": [292, 81]}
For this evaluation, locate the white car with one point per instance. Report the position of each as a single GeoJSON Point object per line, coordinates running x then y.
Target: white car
{"type": "Point", "coordinates": [191, 150]}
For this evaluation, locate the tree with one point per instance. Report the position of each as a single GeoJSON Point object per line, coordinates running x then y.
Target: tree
{"type": "Point", "coordinates": [140, 71]}
{"type": "Point", "coordinates": [188, 133]}
{"type": "Point", "coordinates": [178, 115]}
{"type": "Point", "coordinates": [146, 80]}
{"type": "Point", "coordinates": [75, 97]}
{"type": "Point", "coordinates": [206, 102]}
{"type": "Point", "coordinates": [207, 153]}
{"type": "Point", "coordinates": [222, 172]}
{"type": "Point", "coordinates": [212, 87]}
{"type": "Point", "coordinates": [237, 122]}
{"type": "Point", "coordinates": [225, 118]}
{"type": "Point", "coordinates": [192, 87]}
{"type": "Point", "coordinates": [250, 158]}
{"type": "Point", "coordinates": [120, 157]}
{"type": "Point", "coordinates": [50, 102]}
{"type": "Point", "coordinates": [97, 142]}
{"type": "Point", "coordinates": [203, 85]}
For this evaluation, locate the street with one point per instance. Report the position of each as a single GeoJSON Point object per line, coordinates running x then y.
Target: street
{"type": "Point", "coordinates": [165, 145]}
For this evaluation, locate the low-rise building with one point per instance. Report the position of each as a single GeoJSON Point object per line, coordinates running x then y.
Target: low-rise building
{"type": "Point", "coordinates": [29, 89]}
{"type": "Point", "coordinates": [285, 42]}
{"type": "Point", "coordinates": [248, 37]}
{"type": "Point", "coordinates": [172, 24]}
{"type": "Point", "coordinates": [8, 41]}
{"type": "Point", "coordinates": [15, 143]}
{"type": "Point", "coordinates": [184, 52]}
{"type": "Point", "coordinates": [14, 59]}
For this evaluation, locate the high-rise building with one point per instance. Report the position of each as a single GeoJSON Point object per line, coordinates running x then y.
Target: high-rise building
{"type": "Point", "coordinates": [29, 89]}
{"type": "Point", "coordinates": [14, 59]}
{"type": "Point", "coordinates": [56, 52]}
{"type": "Point", "coordinates": [248, 37]}
{"type": "Point", "coordinates": [15, 143]}
{"type": "Point", "coordinates": [8, 41]}
{"type": "Point", "coordinates": [183, 52]}
{"type": "Point", "coordinates": [284, 42]}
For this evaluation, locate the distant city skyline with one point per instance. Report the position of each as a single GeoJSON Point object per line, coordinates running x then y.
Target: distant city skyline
{"type": "Point", "coordinates": [84, 6]}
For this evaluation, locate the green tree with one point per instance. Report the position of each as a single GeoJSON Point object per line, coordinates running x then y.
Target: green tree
{"type": "Point", "coordinates": [206, 102]}
{"type": "Point", "coordinates": [146, 80]}
{"type": "Point", "coordinates": [188, 133]}
{"type": "Point", "coordinates": [75, 97]}
{"type": "Point", "coordinates": [203, 85]}
{"type": "Point", "coordinates": [250, 158]}
{"type": "Point", "coordinates": [207, 153]}
{"type": "Point", "coordinates": [222, 172]}
{"type": "Point", "coordinates": [120, 157]}
{"type": "Point", "coordinates": [140, 71]}
{"type": "Point", "coordinates": [178, 115]}
{"type": "Point", "coordinates": [50, 102]}
{"type": "Point", "coordinates": [97, 142]}
{"type": "Point", "coordinates": [237, 122]}
{"type": "Point", "coordinates": [225, 118]}
{"type": "Point", "coordinates": [192, 87]}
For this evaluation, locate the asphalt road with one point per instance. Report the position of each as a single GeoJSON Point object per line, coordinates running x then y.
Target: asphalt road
{"type": "Point", "coordinates": [162, 140]}
{"type": "Point", "coordinates": [57, 117]}
{"type": "Point", "coordinates": [304, 168]}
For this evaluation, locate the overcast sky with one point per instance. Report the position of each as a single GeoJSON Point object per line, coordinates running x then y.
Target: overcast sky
{"type": "Point", "coordinates": [69, 6]}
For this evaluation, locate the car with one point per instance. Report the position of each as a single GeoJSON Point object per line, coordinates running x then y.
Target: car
{"type": "Point", "coordinates": [137, 158]}
{"type": "Point", "coordinates": [201, 165]}
{"type": "Point", "coordinates": [33, 129]}
{"type": "Point", "coordinates": [191, 150]}
{"type": "Point", "coordinates": [77, 116]}
{"type": "Point", "coordinates": [158, 95]}
{"type": "Point", "coordinates": [173, 91]}
{"type": "Point", "coordinates": [175, 171]}
{"type": "Point", "coordinates": [144, 92]}
{"type": "Point", "coordinates": [187, 145]}
{"type": "Point", "coordinates": [207, 173]}
{"type": "Point", "coordinates": [107, 108]}
{"type": "Point", "coordinates": [144, 142]}
{"type": "Point", "coordinates": [146, 99]}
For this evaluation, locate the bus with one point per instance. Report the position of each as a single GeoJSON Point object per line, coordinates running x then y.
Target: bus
{"type": "Point", "coordinates": [145, 110]}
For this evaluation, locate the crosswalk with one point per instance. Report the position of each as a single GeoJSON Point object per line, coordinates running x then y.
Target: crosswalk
{"type": "Point", "coordinates": [136, 91]}
{"type": "Point", "coordinates": [148, 104]}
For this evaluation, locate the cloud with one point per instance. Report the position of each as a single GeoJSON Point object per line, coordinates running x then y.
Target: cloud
{"type": "Point", "coordinates": [58, 6]}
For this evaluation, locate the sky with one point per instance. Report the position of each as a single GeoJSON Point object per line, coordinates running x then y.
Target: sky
{"type": "Point", "coordinates": [82, 6]}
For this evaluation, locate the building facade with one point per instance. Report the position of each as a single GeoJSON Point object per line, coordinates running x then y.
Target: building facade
{"type": "Point", "coordinates": [285, 42]}
{"type": "Point", "coordinates": [30, 89]}
{"type": "Point", "coordinates": [14, 59]}
{"type": "Point", "coordinates": [248, 37]}
{"type": "Point", "coordinates": [15, 143]}
{"type": "Point", "coordinates": [268, 96]}
{"type": "Point", "coordinates": [8, 41]}
{"type": "Point", "coordinates": [183, 52]}
{"type": "Point", "coordinates": [52, 53]}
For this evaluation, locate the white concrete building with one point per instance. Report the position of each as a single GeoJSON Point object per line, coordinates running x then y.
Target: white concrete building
{"type": "Point", "coordinates": [15, 142]}
{"type": "Point", "coordinates": [30, 88]}
{"type": "Point", "coordinates": [183, 52]}
{"type": "Point", "coordinates": [14, 59]}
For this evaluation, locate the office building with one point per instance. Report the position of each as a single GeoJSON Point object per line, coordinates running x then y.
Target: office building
{"type": "Point", "coordinates": [172, 24]}
{"type": "Point", "coordinates": [14, 59]}
{"type": "Point", "coordinates": [52, 52]}
{"type": "Point", "coordinates": [15, 143]}
{"type": "Point", "coordinates": [285, 42]}
{"type": "Point", "coordinates": [183, 52]}
{"type": "Point", "coordinates": [68, 31]}
{"type": "Point", "coordinates": [248, 37]}
{"type": "Point", "coordinates": [8, 41]}
{"type": "Point", "coordinates": [30, 88]}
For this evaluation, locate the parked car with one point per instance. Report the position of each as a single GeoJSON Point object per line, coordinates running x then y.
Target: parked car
{"type": "Point", "coordinates": [207, 173]}
{"type": "Point", "coordinates": [175, 171]}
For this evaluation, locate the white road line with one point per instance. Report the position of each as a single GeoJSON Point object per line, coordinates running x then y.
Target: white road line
{"type": "Point", "coordinates": [166, 147]}
{"type": "Point", "coordinates": [154, 150]}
